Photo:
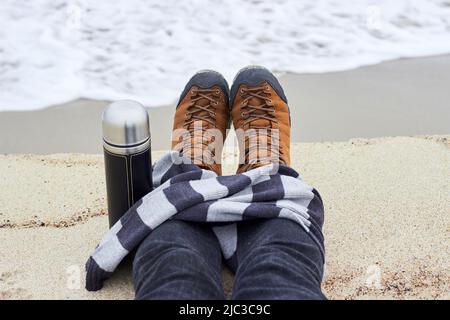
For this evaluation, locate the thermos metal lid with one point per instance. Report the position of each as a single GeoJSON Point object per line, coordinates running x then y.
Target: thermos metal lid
{"type": "Point", "coordinates": [125, 124]}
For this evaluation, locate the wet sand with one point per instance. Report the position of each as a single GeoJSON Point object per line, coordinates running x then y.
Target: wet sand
{"type": "Point", "coordinates": [402, 97]}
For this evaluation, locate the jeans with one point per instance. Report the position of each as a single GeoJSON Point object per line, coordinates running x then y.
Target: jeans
{"type": "Point", "coordinates": [276, 259]}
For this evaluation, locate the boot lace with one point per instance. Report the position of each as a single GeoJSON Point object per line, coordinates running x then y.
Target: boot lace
{"type": "Point", "coordinates": [263, 110]}
{"type": "Point", "coordinates": [198, 118]}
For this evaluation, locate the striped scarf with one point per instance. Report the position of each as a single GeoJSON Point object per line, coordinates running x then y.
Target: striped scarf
{"type": "Point", "coordinates": [186, 192]}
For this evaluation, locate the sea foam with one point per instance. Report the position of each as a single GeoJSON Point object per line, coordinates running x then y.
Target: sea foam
{"type": "Point", "coordinates": [53, 51]}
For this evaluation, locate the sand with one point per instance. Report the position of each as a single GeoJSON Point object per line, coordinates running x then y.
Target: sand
{"type": "Point", "coordinates": [387, 225]}
{"type": "Point", "coordinates": [397, 98]}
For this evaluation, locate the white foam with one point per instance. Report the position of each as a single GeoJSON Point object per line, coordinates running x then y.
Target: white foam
{"type": "Point", "coordinates": [53, 51]}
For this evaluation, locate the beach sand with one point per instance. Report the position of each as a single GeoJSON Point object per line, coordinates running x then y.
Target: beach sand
{"type": "Point", "coordinates": [387, 220]}
{"type": "Point", "coordinates": [397, 98]}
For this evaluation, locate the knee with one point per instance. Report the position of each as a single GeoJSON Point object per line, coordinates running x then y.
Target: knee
{"type": "Point", "coordinates": [284, 239]}
{"type": "Point", "coordinates": [266, 256]}
{"type": "Point", "coordinates": [279, 272]}
{"type": "Point", "coordinates": [159, 253]}
{"type": "Point", "coordinates": [284, 259]}
{"type": "Point", "coordinates": [165, 264]}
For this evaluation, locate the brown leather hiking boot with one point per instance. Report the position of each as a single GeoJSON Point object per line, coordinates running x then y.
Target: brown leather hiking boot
{"type": "Point", "coordinates": [261, 119]}
{"type": "Point", "coordinates": [201, 120]}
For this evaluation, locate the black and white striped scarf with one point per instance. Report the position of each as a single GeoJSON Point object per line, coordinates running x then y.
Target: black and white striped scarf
{"type": "Point", "coordinates": [186, 192]}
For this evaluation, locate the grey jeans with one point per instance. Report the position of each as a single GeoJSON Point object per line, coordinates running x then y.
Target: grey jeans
{"type": "Point", "coordinates": [276, 259]}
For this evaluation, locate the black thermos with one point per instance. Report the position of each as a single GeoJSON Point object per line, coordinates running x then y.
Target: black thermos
{"type": "Point", "coordinates": [126, 145]}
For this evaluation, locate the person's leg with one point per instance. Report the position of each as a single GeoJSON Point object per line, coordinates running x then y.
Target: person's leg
{"type": "Point", "coordinates": [277, 259]}
{"type": "Point", "coordinates": [179, 260]}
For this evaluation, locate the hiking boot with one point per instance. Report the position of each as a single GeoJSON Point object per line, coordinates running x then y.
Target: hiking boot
{"type": "Point", "coordinates": [201, 120]}
{"type": "Point", "coordinates": [261, 118]}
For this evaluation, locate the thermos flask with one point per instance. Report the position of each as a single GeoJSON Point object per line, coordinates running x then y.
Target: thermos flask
{"type": "Point", "coordinates": [127, 151]}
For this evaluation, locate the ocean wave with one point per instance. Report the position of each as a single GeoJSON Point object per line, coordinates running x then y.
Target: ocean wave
{"type": "Point", "coordinates": [53, 51]}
